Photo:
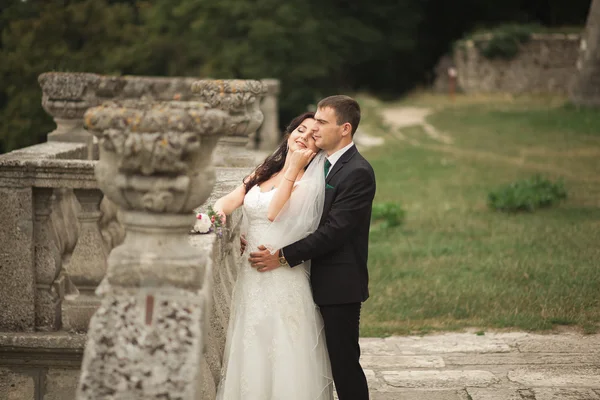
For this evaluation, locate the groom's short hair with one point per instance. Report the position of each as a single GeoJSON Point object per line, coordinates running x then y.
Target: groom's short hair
{"type": "Point", "coordinates": [346, 109]}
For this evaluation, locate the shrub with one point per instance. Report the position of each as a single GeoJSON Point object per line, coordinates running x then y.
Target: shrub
{"type": "Point", "coordinates": [389, 214]}
{"type": "Point", "coordinates": [503, 41]}
{"type": "Point", "coordinates": [527, 195]}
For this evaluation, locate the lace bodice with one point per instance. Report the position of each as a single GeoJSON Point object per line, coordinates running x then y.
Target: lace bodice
{"type": "Point", "coordinates": [256, 207]}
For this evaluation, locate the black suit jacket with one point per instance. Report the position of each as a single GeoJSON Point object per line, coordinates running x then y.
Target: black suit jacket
{"type": "Point", "coordinates": [338, 249]}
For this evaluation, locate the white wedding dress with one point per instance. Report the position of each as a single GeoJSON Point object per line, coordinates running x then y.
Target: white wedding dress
{"type": "Point", "coordinates": [275, 346]}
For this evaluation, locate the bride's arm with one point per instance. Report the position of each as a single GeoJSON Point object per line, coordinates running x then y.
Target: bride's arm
{"type": "Point", "coordinates": [300, 159]}
{"type": "Point", "coordinates": [228, 203]}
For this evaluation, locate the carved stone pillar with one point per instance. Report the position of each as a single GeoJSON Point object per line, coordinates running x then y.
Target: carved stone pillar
{"type": "Point", "coordinates": [66, 97]}
{"type": "Point", "coordinates": [268, 134]}
{"type": "Point", "coordinates": [146, 339]}
{"type": "Point", "coordinates": [241, 99]}
{"type": "Point", "coordinates": [87, 265]}
{"type": "Point", "coordinates": [47, 262]}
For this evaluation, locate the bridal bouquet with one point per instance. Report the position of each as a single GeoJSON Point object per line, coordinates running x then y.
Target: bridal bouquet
{"type": "Point", "coordinates": [210, 222]}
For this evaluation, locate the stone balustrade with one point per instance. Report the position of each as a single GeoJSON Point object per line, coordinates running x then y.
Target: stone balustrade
{"type": "Point", "coordinates": [37, 231]}
{"type": "Point", "coordinates": [68, 253]}
{"type": "Point", "coordinates": [28, 359]}
{"type": "Point", "coordinates": [59, 228]}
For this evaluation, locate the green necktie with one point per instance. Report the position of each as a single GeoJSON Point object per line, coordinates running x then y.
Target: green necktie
{"type": "Point", "coordinates": [327, 166]}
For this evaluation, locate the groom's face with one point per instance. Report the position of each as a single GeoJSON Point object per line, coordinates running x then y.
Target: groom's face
{"type": "Point", "coordinates": [326, 132]}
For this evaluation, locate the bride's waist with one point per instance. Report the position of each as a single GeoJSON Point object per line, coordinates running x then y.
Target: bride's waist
{"type": "Point", "coordinates": [255, 235]}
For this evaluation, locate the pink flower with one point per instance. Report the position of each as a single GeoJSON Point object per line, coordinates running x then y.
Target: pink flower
{"type": "Point", "coordinates": [199, 216]}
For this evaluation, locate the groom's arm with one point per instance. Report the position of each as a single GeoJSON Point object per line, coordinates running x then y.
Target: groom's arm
{"type": "Point", "coordinates": [354, 197]}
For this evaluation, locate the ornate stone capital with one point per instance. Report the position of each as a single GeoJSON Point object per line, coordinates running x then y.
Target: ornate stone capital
{"type": "Point", "coordinates": [68, 95]}
{"type": "Point", "coordinates": [156, 156]}
{"type": "Point", "coordinates": [240, 98]}
{"type": "Point", "coordinates": [232, 94]}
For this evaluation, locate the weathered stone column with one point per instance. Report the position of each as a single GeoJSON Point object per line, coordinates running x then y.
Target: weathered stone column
{"type": "Point", "coordinates": [146, 339]}
{"type": "Point", "coordinates": [241, 99]}
{"type": "Point", "coordinates": [66, 97]}
{"type": "Point", "coordinates": [87, 265]}
{"type": "Point", "coordinates": [268, 134]}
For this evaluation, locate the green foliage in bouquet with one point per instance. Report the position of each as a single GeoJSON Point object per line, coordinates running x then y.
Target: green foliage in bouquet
{"type": "Point", "coordinates": [527, 195]}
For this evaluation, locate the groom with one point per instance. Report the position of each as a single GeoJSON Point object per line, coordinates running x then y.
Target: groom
{"type": "Point", "coordinates": [338, 248]}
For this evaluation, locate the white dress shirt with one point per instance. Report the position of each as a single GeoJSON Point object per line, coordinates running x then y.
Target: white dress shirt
{"type": "Point", "coordinates": [337, 155]}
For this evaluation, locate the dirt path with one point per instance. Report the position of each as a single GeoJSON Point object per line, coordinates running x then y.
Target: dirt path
{"type": "Point", "coordinates": [404, 117]}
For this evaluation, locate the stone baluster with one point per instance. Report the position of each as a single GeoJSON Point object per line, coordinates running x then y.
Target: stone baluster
{"type": "Point", "coordinates": [241, 99]}
{"type": "Point", "coordinates": [146, 339]}
{"type": "Point", "coordinates": [66, 97]}
{"type": "Point", "coordinates": [87, 264]}
{"type": "Point", "coordinates": [269, 135]}
{"type": "Point", "coordinates": [48, 263]}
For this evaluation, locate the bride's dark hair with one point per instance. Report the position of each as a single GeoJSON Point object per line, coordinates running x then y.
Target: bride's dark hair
{"type": "Point", "coordinates": [275, 162]}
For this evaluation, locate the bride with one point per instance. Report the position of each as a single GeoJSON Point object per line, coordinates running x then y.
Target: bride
{"type": "Point", "coordinates": [275, 346]}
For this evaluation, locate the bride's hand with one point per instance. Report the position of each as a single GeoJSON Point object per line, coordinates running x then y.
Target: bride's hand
{"type": "Point", "coordinates": [221, 215]}
{"type": "Point", "coordinates": [301, 158]}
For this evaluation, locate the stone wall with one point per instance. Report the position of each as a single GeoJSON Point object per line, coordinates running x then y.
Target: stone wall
{"type": "Point", "coordinates": [545, 64]}
{"type": "Point", "coordinates": [40, 366]}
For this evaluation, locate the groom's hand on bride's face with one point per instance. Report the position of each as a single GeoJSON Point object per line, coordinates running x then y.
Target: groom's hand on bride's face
{"type": "Point", "coordinates": [263, 260]}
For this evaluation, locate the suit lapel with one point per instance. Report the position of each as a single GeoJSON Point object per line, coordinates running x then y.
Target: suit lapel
{"type": "Point", "coordinates": [340, 163]}
{"type": "Point", "coordinates": [334, 170]}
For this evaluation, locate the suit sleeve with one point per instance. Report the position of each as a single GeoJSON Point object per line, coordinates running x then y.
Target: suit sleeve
{"type": "Point", "coordinates": [354, 197]}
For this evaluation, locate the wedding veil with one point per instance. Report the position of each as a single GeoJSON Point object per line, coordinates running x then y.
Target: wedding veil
{"type": "Point", "coordinates": [301, 214]}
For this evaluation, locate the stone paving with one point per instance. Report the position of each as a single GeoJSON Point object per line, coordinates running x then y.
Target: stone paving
{"type": "Point", "coordinates": [493, 366]}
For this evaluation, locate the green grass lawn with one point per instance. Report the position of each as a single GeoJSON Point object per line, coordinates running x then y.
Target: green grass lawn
{"type": "Point", "coordinates": [455, 263]}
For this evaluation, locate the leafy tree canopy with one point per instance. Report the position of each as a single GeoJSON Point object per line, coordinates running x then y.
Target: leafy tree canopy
{"type": "Point", "coordinates": [315, 48]}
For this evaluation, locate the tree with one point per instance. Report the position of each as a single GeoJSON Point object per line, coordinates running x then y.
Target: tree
{"type": "Point", "coordinates": [586, 89]}
{"type": "Point", "coordinates": [315, 47]}
{"type": "Point", "coordinates": [55, 35]}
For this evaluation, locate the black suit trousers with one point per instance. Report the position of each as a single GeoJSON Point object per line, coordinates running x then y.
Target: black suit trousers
{"type": "Point", "coordinates": [341, 323]}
